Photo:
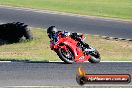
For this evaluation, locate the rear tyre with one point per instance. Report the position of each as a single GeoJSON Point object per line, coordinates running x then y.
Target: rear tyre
{"type": "Point", "coordinates": [66, 56]}
{"type": "Point", "coordinates": [95, 57]}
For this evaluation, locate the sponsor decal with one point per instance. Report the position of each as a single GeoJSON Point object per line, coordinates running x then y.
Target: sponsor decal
{"type": "Point", "coordinates": [81, 58]}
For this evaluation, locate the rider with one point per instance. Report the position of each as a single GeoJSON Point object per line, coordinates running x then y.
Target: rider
{"type": "Point", "coordinates": [53, 34]}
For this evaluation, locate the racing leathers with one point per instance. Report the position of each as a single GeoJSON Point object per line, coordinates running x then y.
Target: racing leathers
{"type": "Point", "coordinates": [55, 37]}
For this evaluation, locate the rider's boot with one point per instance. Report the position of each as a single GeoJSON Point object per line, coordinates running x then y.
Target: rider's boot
{"type": "Point", "coordinates": [88, 50]}
{"type": "Point", "coordinates": [86, 45]}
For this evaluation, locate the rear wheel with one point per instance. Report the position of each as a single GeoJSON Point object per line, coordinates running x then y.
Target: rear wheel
{"type": "Point", "coordinates": [66, 55]}
{"type": "Point", "coordinates": [95, 57]}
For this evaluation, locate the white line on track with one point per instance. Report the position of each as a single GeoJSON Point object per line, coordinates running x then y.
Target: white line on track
{"type": "Point", "coordinates": [93, 85]}
{"type": "Point", "coordinates": [116, 61]}
{"type": "Point", "coordinates": [34, 86]}
{"type": "Point", "coordinates": [5, 61]}
{"type": "Point", "coordinates": [101, 61]}
{"type": "Point", "coordinates": [62, 61]}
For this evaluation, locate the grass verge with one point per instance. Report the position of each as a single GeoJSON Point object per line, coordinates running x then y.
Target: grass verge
{"type": "Point", "coordinates": [39, 50]}
{"type": "Point", "coordinates": [104, 8]}
{"type": "Point", "coordinates": [35, 50]}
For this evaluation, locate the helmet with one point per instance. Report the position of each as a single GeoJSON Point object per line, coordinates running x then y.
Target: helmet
{"type": "Point", "coordinates": [51, 31]}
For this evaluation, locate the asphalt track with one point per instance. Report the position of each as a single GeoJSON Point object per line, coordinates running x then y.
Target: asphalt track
{"type": "Point", "coordinates": [55, 73]}
{"type": "Point", "coordinates": [89, 25]}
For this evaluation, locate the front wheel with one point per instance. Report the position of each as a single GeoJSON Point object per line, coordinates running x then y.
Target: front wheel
{"type": "Point", "coordinates": [66, 55]}
{"type": "Point", "coordinates": [95, 57]}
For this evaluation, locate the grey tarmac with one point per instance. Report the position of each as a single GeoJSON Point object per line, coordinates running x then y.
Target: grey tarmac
{"type": "Point", "coordinates": [97, 26]}
{"type": "Point", "coordinates": [55, 73]}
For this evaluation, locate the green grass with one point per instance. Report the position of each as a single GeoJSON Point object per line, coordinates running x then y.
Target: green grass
{"type": "Point", "coordinates": [39, 50]}
{"type": "Point", "coordinates": [35, 50]}
{"type": "Point", "coordinates": [105, 8]}
{"type": "Point", "coordinates": [112, 50]}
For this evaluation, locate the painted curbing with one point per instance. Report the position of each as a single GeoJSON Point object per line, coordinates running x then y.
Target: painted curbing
{"type": "Point", "coordinates": [112, 38]}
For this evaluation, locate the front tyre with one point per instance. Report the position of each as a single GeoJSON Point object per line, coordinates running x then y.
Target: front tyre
{"type": "Point", "coordinates": [95, 57]}
{"type": "Point", "coordinates": [66, 55]}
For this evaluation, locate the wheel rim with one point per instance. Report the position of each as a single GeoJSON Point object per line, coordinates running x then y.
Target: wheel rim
{"type": "Point", "coordinates": [67, 54]}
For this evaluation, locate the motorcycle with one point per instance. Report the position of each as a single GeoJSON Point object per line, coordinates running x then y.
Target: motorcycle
{"type": "Point", "coordinates": [70, 51]}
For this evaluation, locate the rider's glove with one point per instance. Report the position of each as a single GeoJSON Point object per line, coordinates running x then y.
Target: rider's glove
{"type": "Point", "coordinates": [66, 33]}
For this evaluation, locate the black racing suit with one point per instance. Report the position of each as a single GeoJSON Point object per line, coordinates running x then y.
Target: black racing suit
{"type": "Point", "coordinates": [77, 37]}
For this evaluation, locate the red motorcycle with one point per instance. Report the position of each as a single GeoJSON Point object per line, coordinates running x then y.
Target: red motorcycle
{"type": "Point", "coordinates": [70, 50]}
